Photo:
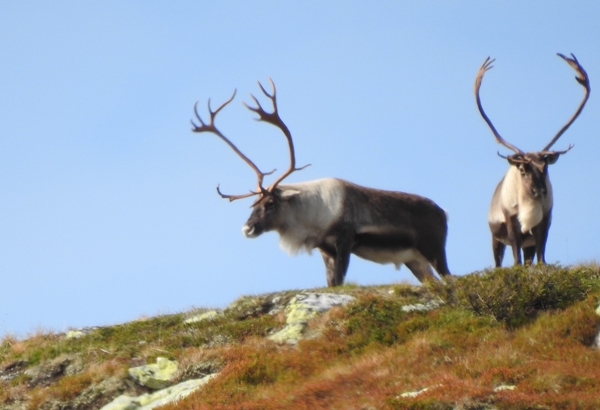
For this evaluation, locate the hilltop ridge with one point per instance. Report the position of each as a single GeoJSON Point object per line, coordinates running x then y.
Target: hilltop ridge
{"type": "Point", "coordinates": [510, 338]}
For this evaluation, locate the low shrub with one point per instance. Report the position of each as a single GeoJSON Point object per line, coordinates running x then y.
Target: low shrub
{"type": "Point", "coordinates": [515, 295]}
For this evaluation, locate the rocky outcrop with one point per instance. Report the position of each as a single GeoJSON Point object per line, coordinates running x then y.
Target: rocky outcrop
{"type": "Point", "coordinates": [155, 376]}
{"type": "Point", "coordinates": [161, 397]}
{"type": "Point", "coordinates": [301, 309]}
{"type": "Point", "coordinates": [160, 377]}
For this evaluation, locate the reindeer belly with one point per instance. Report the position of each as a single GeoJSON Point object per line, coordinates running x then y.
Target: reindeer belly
{"type": "Point", "coordinates": [397, 256]}
{"type": "Point", "coordinates": [527, 240]}
{"type": "Point", "coordinates": [386, 246]}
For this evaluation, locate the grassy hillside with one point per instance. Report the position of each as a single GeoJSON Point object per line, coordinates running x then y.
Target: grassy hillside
{"type": "Point", "coordinates": [517, 338]}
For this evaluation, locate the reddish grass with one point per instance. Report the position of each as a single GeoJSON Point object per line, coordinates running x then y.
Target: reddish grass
{"type": "Point", "coordinates": [461, 362]}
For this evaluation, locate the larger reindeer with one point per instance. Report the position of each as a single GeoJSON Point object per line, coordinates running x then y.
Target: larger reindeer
{"type": "Point", "coordinates": [521, 209]}
{"type": "Point", "coordinates": [339, 217]}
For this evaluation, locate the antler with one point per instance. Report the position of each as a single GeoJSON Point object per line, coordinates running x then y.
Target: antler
{"type": "Point", "coordinates": [210, 127]}
{"type": "Point", "coordinates": [582, 78]}
{"type": "Point", "coordinates": [487, 65]}
{"type": "Point", "coordinates": [273, 118]}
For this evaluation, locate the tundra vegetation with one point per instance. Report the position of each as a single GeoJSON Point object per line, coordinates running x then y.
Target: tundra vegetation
{"type": "Point", "coordinates": [506, 338]}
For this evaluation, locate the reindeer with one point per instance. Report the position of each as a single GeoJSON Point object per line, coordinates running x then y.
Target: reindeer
{"type": "Point", "coordinates": [521, 209]}
{"type": "Point", "coordinates": [339, 217]}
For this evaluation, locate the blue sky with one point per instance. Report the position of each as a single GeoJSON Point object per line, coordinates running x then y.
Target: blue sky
{"type": "Point", "coordinates": [108, 209]}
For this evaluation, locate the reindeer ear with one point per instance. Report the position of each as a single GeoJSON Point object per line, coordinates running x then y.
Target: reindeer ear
{"type": "Point", "coordinates": [286, 194]}
{"type": "Point", "coordinates": [551, 158]}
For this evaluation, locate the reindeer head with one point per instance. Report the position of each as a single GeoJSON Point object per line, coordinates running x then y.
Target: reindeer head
{"type": "Point", "coordinates": [533, 166]}
{"type": "Point", "coordinates": [270, 212]}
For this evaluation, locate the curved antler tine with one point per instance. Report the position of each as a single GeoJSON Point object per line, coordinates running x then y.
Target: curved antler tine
{"type": "Point", "coordinates": [516, 158]}
{"type": "Point", "coordinates": [197, 116]}
{"type": "Point", "coordinates": [302, 167]}
{"type": "Point", "coordinates": [258, 109]}
{"type": "Point", "coordinates": [234, 197]}
{"type": "Point", "coordinates": [271, 96]}
{"type": "Point", "coordinates": [213, 114]}
{"type": "Point", "coordinates": [210, 127]}
{"type": "Point", "coordinates": [583, 79]}
{"type": "Point", "coordinates": [565, 151]}
{"type": "Point", "coordinates": [558, 152]}
{"type": "Point", "coordinates": [487, 65]}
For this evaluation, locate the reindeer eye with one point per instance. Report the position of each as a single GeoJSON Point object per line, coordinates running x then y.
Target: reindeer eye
{"type": "Point", "coordinates": [269, 205]}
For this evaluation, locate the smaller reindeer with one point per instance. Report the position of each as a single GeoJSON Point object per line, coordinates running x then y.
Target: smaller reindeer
{"type": "Point", "coordinates": [521, 208]}
{"type": "Point", "coordinates": [339, 217]}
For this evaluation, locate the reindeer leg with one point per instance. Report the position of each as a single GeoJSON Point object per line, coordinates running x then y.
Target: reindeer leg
{"type": "Point", "coordinates": [329, 267]}
{"type": "Point", "coordinates": [514, 237]}
{"type": "Point", "coordinates": [528, 254]}
{"type": "Point", "coordinates": [422, 271]}
{"type": "Point", "coordinates": [437, 260]}
{"type": "Point", "coordinates": [540, 233]}
{"type": "Point", "coordinates": [342, 260]}
{"type": "Point", "coordinates": [336, 262]}
{"type": "Point", "coordinates": [498, 248]}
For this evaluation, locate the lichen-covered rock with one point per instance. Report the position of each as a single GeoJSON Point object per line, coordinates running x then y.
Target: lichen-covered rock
{"type": "Point", "coordinates": [81, 332]}
{"type": "Point", "coordinates": [301, 309]}
{"type": "Point", "coordinates": [155, 376]}
{"type": "Point", "coordinates": [158, 398]}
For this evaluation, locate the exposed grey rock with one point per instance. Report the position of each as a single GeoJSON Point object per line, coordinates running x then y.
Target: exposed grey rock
{"type": "Point", "coordinates": [46, 373]}
{"type": "Point", "coordinates": [322, 302]}
{"type": "Point", "coordinates": [301, 309]}
{"type": "Point", "coordinates": [12, 370]}
{"type": "Point", "coordinates": [158, 398]}
{"type": "Point", "coordinates": [423, 307]}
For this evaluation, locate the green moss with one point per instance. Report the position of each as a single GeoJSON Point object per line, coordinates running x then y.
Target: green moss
{"type": "Point", "coordinates": [374, 320]}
